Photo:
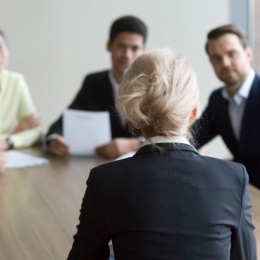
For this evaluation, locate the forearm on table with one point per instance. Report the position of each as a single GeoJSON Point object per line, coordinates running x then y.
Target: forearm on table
{"type": "Point", "coordinates": [26, 138]}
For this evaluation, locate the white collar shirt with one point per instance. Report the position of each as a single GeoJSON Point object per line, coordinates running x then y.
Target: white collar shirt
{"type": "Point", "coordinates": [164, 139]}
{"type": "Point", "coordinates": [237, 103]}
{"type": "Point", "coordinates": [115, 86]}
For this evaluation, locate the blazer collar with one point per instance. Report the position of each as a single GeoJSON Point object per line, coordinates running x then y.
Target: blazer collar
{"type": "Point", "coordinates": [164, 139]}
{"type": "Point", "coordinates": [166, 146]}
{"type": "Point", "coordinates": [251, 108]}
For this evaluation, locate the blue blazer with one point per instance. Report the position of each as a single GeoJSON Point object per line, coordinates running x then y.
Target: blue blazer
{"type": "Point", "coordinates": [170, 204]}
{"type": "Point", "coordinates": [215, 121]}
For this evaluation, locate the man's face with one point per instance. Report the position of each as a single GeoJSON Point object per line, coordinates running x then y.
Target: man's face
{"type": "Point", "coordinates": [4, 54]}
{"type": "Point", "coordinates": [124, 49]}
{"type": "Point", "coordinates": [229, 59]}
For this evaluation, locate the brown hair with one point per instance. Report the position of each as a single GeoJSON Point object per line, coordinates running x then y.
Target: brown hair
{"type": "Point", "coordinates": [225, 29]}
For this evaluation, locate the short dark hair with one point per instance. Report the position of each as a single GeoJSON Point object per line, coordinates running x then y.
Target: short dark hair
{"type": "Point", "coordinates": [128, 24]}
{"type": "Point", "coordinates": [225, 29]}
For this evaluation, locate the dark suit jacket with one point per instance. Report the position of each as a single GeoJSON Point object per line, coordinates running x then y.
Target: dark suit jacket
{"type": "Point", "coordinates": [96, 94]}
{"type": "Point", "coordinates": [215, 121]}
{"type": "Point", "coordinates": [166, 205]}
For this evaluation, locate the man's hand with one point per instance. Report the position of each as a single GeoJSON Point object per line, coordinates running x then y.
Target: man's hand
{"type": "Point", "coordinates": [26, 123]}
{"type": "Point", "coordinates": [2, 161]}
{"type": "Point", "coordinates": [118, 147]}
{"type": "Point", "coordinates": [58, 146]}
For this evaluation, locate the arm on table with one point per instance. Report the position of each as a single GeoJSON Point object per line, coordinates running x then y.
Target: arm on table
{"type": "Point", "coordinates": [58, 146]}
{"type": "Point", "coordinates": [118, 147]}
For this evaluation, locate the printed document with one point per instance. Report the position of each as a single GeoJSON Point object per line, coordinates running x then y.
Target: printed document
{"type": "Point", "coordinates": [84, 131]}
{"type": "Point", "coordinates": [16, 159]}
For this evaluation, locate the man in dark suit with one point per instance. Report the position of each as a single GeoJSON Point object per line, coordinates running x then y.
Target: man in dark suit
{"type": "Point", "coordinates": [233, 110]}
{"type": "Point", "coordinates": [99, 90]}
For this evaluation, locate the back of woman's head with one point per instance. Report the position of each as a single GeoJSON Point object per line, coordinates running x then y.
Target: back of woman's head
{"type": "Point", "coordinates": [159, 93]}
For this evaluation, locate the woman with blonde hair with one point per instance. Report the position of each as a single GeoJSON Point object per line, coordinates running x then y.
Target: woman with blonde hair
{"type": "Point", "coordinates": [167, 201]}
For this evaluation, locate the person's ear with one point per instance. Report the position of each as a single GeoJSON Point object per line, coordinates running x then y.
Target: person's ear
{"type": "Point", "coordinates": [193, 114]}
{"type": "Point", "coordinates": [249, 53]}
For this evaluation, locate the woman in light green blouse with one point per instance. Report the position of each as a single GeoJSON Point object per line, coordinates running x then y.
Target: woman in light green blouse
{"type": "Point", "coordinates": [19, 126]}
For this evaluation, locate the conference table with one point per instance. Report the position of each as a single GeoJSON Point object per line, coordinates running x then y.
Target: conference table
{"type": "Point", "coordinates": [39, 207]}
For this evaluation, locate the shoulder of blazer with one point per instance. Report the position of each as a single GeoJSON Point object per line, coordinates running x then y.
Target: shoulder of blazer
{"type": "Point", "coordinates": [253, 100]}
{"type": "Point", "coordinates": [95, 78]}
{"type": "Point", "coordinates": [255, 89]}
{"type": "Point", "coordinates": [99, 82]}
{"type": "Point", "coordinates": [216, 95]}
{"type": "Point", "coordinates": [233, 170]}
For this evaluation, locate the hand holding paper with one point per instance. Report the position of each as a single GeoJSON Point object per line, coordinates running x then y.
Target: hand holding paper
{"type": "Point", "coordinates": [118, 147]}
{"type": "Point", "coordinates": [84, 131]}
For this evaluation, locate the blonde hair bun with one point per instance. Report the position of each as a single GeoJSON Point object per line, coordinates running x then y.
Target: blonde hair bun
{"type": "Point", "coordinates": [158, 93]}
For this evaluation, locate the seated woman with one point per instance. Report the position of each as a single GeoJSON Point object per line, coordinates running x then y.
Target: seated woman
{"type": "Point", "coordinates": [167, 201]}
{"type": "Point", "coordinates": [19, 126]}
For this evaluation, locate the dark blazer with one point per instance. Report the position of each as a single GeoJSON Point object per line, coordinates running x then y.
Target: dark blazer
{"type": "Point", "coordinates": [174, 204]}
{"type": "Point", "coordinates": [96, 94]}
{"type": "Point", "coordinates": [215, 121]}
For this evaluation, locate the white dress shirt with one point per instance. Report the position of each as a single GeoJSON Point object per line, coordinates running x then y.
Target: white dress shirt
{"type": "Point", "coordinates": [115, 86]}
{"type": "Point", "coordinates": [237, 103]}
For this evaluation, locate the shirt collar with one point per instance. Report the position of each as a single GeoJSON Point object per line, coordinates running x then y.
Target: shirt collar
{"type": "Point", "coordinates": [164, 139]}
{"type": "Point", "coordinates": [113, 82]}
{"type": "Point", "coordinates": [243, 91]}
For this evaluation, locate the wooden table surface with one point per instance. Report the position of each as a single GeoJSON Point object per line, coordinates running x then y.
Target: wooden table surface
{"type": "Point", "coordinates": [39, 208]}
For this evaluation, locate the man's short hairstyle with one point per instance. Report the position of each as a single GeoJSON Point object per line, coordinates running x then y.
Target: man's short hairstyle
{"type": "Point", "coordinates": [225, 29]}
{"type": "Point", "coordinates": [129, 24]}
{"type": "Point", "coordinates": [158, 94]}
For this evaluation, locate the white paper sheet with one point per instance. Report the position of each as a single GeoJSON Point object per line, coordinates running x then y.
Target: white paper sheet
{"type": "Point", "coordinates": [17, 159]}
{"type": "Point", "coordinates": [85, 130]}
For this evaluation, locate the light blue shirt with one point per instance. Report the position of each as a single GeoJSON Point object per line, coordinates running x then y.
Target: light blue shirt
{"type": "Point", "coordinates": [237, 103]}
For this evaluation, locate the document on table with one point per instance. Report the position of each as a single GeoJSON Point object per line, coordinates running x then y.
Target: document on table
{"type": "Point", "coordinates": [17, 159]}
{"type": "Point", "coordinates": [84, 131]}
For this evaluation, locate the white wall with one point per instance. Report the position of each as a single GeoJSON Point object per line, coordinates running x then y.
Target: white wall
{"type": "Point", "coordinates": [54, 43]}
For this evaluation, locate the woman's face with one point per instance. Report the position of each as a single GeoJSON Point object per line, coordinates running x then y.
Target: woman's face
{"type": "Point", "coordinates": [4, 54]}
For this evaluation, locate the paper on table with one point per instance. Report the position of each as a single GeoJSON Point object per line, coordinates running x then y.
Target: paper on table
{"type": "Point", "coordinates": [85, 130]}
{"type": "Point", "coordinates": [17, 159]}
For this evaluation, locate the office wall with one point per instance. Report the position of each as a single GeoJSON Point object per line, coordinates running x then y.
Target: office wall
{"type": "Point", "coordinates": [54, 43]}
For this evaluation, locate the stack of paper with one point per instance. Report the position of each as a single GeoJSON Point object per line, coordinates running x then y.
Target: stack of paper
{"type": "Point", "coordinates": [17, 159]}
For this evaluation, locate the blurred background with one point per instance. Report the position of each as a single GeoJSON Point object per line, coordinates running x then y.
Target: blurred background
{"type": "Point", "coordinates": [55, 43]}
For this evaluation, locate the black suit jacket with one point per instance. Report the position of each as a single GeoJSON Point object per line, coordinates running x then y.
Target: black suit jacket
{"type": "Point", "coordinates": [215, 121]}
{"type": "Point", "coordinates": [96, 94]}
{"type": "Point", "coordinates": [174, 204]}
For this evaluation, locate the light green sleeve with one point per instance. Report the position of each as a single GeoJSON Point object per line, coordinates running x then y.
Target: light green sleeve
{"type": "Point", "coordinates": [25, 107]}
